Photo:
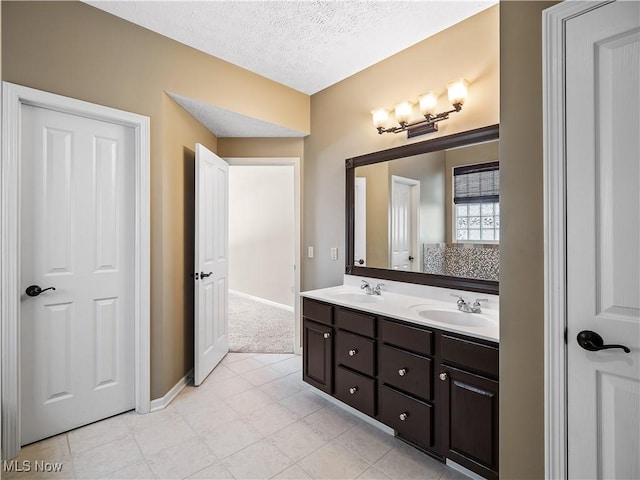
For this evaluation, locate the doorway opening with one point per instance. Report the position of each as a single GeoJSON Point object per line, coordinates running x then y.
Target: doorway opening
{"type": "Point", "coordinates": [263, 253]}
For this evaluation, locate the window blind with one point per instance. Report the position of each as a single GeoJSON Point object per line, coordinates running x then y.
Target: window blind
{"type": "Point", "coordinates": [476, 183]}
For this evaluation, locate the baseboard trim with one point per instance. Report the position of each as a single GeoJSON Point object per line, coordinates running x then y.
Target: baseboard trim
{"type": "Point", "coordinates": [163, 402]}
{"type": "Point", "coordinates": [262, 300]}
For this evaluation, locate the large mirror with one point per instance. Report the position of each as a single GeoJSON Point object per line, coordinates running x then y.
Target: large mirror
{"type": "Point", "coordinates": [427, 212]}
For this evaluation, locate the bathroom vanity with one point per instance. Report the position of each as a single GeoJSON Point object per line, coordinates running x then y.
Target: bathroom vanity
{"type": "Point", "coordinates": [415, 364]}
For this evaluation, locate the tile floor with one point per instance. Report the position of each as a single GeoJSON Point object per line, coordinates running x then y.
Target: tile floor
{"type": "Point", "coordinates": [252, 418]}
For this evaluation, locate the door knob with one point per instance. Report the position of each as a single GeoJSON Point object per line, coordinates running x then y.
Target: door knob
{"type": "Point", "coordinates": [205, 275]}
{"type": "Point", "coordinates": [593, 342]}
{"type": "Point", "coordinates": [35, 290]}
{"type": "Point", "coordinates": [411, 258]}
{"type": "Point", "coordinates": [361, 261]}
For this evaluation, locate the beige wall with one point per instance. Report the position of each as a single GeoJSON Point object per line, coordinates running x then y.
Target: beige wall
{"type": "Point", "coordinates": [341, 122]}
{"type": "Point", "coordinates": [73, 49]}
{"type": "Point", "coordinates": [521, 247]}
{"type": "Point", "coordinates": [261, 232]}
{"type": "Point", "coordinates": [377, 210]}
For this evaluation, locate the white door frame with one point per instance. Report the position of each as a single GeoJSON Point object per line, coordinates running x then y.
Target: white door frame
{"type": "Point", "coordinates": [295, 162]}
{"type": "Point", "coordinates": [555, 253]}
{"type": "Point", "coordinates": [13, 97]}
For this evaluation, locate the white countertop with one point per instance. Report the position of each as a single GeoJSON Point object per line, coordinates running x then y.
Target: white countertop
{"type": "Point", "coordinates": [420, 310]}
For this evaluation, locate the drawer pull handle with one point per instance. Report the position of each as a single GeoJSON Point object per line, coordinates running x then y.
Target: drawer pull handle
{"type": "Point", "coordinates": [352, 352]}
{"type": "Point", "coordinates": [326, 335]}
{"type": "Point", "coordinates": [443, 376]}
{"type": "Point", "coordinates": [402, 372]}
{"type": "Point", "coordinates": [353, 390]}
{"type": "Point", "coordinates": [403, 416]}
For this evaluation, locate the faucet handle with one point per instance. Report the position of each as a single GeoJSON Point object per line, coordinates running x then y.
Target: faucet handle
{"type": "Point", "coordinates": [380, 286]}
{"type": "Point", "coordinates": [364, 285]}
{"type": "Point", "coordinates": [480, 300]}
{"type": "Point", "coordinates": [460, 299]}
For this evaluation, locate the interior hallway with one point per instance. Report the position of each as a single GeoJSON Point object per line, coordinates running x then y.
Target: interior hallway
{"type": "Point", "coordinates": [252, 418]}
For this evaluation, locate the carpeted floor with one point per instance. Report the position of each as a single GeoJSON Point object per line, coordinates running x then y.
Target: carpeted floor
{"type": "Point", "coordinates": [255, 327]}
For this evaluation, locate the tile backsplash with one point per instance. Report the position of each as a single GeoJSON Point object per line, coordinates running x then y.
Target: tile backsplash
{"type": "Point", "coordinates": [480, 261]}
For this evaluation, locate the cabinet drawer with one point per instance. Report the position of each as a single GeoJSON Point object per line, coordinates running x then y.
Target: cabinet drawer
{"type": "Point", "coordinates": [356, 322]}
{"type": "Point", "coordinates": [317, 311]}
{"type": "Point", "coordinates": [355, 352]}
{"type": "Point", "coordinates": [406, 371]}
{"type": "Point", "coordinates": [408, 338]}
{"type": "Point", "coordinates": [473, 356]}
{"type": "Point", "coordinates": [355, 390]}
{"type": "Point", "coordinates": [411, 418]}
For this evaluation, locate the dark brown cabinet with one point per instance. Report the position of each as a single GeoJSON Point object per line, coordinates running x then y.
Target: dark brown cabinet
{"type": "Point", "coordinates": [317, 344]}
{"type": "Point", "coordinates": [438, 390]}
{"type": "Point", "coordinates": [469, 385]}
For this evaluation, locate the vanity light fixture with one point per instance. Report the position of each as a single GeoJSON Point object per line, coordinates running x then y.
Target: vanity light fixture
{"type": "Point", "coordinates": [427, 104]}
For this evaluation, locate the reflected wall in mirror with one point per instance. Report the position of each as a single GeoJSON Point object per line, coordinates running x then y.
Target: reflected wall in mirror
{"type": "Point", "coordinates": [427, 212]}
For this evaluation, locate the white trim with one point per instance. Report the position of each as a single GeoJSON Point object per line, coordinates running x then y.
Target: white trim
{"type": "Point", "coordinates": [13, 96]}
{"type": "Point", "coordinates": [297, 212]}
{"type": "Point", "coordinates": [163, 402]}
{"type": "Point", "coordinates": [262, 300]}
{"type": "Point", "coordinates": [555, 319]}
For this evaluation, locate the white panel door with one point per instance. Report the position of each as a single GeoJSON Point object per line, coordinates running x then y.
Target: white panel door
{"type": "Point", "coordinates": [603, 241]}
{"type": "Point", "coordinates": [404, 223]}
{"type": "Point", "coordinates": [77, 231]}
{"type": "Point", "coordinates": [360, 223]}
{"type": "Point", "coordinates": [211, 262]}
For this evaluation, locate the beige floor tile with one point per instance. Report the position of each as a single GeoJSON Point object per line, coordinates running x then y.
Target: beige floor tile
{"type": "Point", "coordinates": [229, 387]}
{"type": "Point", "coordinates": [213, 472]}
{"type": "Point", "coordinates": [297, 440]}
{"type": "Point", "coordinates": [405, 462]}
{"type": "Point", "coordinates": [98, 433]}
{"type": "Point", "coordinates": [233, 357]}
{"type": "Point", "coordinates": [260, 460]}
{"type": "Point", "coordinates": [290, 365]}
{"type": "Point", "coordinates": [453, 474]}
{"type": "Point", "coordinates": [270, 419]}
{"type": "Point", "coordinates": [304, 403]}
{"type": "Point", "coordinates": [54, 449]}
{"type": "Point", "coordinates": [333, 460]}
{"type": "Point", "coordinates": [368, 441]}
{"type": "Point", "coordinates": [41, 469]}
{"type": "Point", "coordinates": [228, 438]}
{"type": "Point", "coordinates": [281, 388]}
{"type": "Point", "coordinates": [331, 421]}
{"type": "Point", "coordinates": [221, 372]}
{"type": "Point", "coordinates": [269, 358]}
{"type": "Point", "coordinates": [204, 419]}
{"type": "Point", "coordinates": [249, 401]}
{"type": "Point", "coordinates": [244, 366]}
{"type": "Point", "coordinates": [137, 422]}
{"type": "Point", "coordinates": [262, 375]}
{"type": "Point", "coordinates": [165, 434]}
{"type": "Point", "coordinates": [181, 460]}
{"type": "Point", "coordinates": [294, 472]}
{"type": "Point", "coordinates": [102, 461]}
{"type": "Point", "coordinates": [137, 471]}
{"type": "Point", "coordinates": [193, 398]}
{"type": "Point", "coordinates": [373, 474]}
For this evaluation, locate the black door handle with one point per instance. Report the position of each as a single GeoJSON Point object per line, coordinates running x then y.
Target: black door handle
{"type": "Point", "coordinates": [205, 275]}
{"type": "Point", "coordinates": [35, 290]}
{"type": "Point", "coordinates": [361, 261]}
{"type": "Point", "coordinates": [411, 258]}
{"type": "Point", "coordinates": [593, 342]}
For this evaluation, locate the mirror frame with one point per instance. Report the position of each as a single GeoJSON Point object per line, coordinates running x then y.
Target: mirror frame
{"type": "Point", "coordinates": [469, 137]}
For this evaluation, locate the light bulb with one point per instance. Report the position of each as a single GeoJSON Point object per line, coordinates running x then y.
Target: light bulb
{"type": "Point", "coordinates": [403, 112]}
{"type": "Point", "coordinates": [380, 117]}
{"type": "Point", "coordinates": [457, 91]}
{"type": "Point", "coordinates": [428, 103]}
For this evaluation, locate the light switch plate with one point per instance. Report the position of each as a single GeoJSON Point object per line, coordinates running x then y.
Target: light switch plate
{"type": "Point", "coordinates": [334, 253]}
{"type": "Point", "coordinates": [310, 252]}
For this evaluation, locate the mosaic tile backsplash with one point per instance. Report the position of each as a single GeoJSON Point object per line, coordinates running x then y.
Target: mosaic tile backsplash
{"type": "Point", "coordinates": [480, 261]}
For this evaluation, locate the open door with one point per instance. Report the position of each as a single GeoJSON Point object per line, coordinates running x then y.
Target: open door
{"type": "Point", "coordinates": [403, 224]}
{"type": "Point", "coordinates": [211, 263]}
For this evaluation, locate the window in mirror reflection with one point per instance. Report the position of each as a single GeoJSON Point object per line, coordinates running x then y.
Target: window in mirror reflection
{"type": "Point", "coordinates": [477, 203]}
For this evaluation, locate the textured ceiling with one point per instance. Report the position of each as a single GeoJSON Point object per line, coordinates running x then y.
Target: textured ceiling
{"type": "Point", "coordinates": [307, 45]}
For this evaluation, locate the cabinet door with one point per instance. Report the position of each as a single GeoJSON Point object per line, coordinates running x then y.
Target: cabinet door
{"type": "Point", "coordinates": [318, 355]}
{"type": "Point", "coordinates": [470, 420]}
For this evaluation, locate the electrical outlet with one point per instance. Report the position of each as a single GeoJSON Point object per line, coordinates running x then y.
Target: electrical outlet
{"type": "Point", "coordinates": [334, 253]}
{"type": "Point", "coordinates": [310, 252]}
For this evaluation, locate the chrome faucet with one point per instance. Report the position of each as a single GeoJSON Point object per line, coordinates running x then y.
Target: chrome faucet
{"type": "Point", "coordinates": [464, 306]}
{"type": "Point", "coordinates": [369, 290]}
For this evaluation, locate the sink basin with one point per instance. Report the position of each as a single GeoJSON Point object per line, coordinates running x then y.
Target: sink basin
{"type": "Point", "coordinates": [455, 317]}
{"type": "Point", "coordinates": [356, 297]}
